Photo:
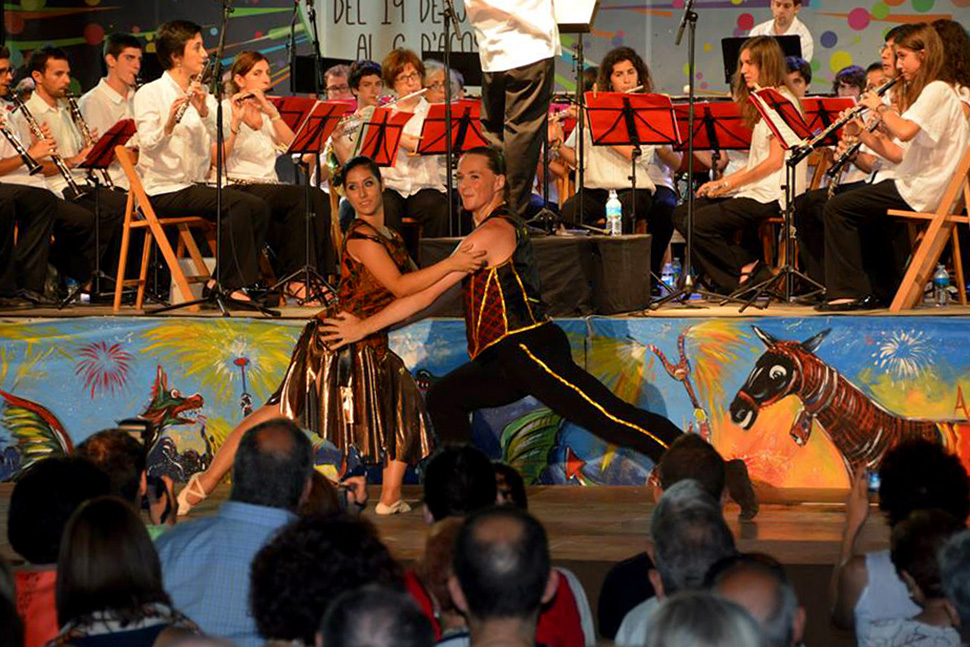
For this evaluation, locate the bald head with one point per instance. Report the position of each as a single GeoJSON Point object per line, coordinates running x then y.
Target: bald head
{"type": "Point", "coordinates": [502, 563]}
{"type": "Point", "coordinates": [762, 588]}
{"type": "Point", "coordinates": [273, 465]}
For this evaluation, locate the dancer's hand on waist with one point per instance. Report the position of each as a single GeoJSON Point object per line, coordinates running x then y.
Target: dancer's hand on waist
{"type": "Point", "coordinates": [342, 329]}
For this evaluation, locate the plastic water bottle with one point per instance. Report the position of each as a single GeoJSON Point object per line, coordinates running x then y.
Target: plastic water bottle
{"type": "Point", "coordinates": [667, 275]}
{"type": "Point", "coordinates": [614, 215]}
{"type": "Point", "coordinates": [677, 270]}
{"type": "Point", "coordinates": [941, 286]}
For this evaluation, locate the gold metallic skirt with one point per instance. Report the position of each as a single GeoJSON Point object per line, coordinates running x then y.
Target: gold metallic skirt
{"type": "Point", "coordinates": [355, 399]}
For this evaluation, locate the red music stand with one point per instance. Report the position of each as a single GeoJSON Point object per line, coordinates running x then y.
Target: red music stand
{"type": "Point", "coordinates": [718, 126]}
{"type": "Point", "coordinates": [782, 116]}
{"type": "Point", "coordinates": [822, 112]}
{"type": "Point", "coordinates": [466, 128]}
{"type": "Point", "coordinates": [381, 135]}
{"type": "Point", "coordinates": [317, 127]}
{"type": "Point", "coordinates": [293, 110]}
{"type": "Point", "coordinates": [622, 119]}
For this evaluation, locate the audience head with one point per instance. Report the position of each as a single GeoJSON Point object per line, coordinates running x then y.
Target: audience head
{"type": "Point", "coordinates": [178, 43]}
{"type": "Point", "coordinates": [366, 82]}
{"type": "Point", "coordinates": [850, 81]}
{"type": "Point", "coordinates": [621, 70]}
{"type": "Point", "coordinates": [337, 82]}
{"type": "Point", "coordinates": [758, 583]}
{"type": "Point", "coordinates": [502, 566]}
{"type": "Point", "coordinates": [44, 498]}
{"type": "Point", "coordinates": [915, 543]}
{"type": "Point", "coordinates": [956, 52]}
{"type": "Point", "coordinates": [689, 536]}
{"type": "Point", "coordinates": [509, 486]}
{"type": "Point", "coordinates": [458, 480]}
{"type": "Point", "coordinates": [363, 186]}
{"type": "Point", "coordinates": [322, 499]}
{"type": "Point", "coordinates": [122, 55]}
{"type": "Point", "coordinates": [311, 561]}
{"type": "Point", "coordinates": [107, 563]}
{"type": "Point", "coordinates": [692, 457]}
{"type": "Point", "coordinates": [435, 568]}
{"type": "Point", "coordinates": [273, 466]}
{"type": "Point", "coordinates": [13, 627]}
{"type": "Point", "coordinates": [918, 475]}
{"type": "Point", "coordinates": [122, 458]}
{"type": "Point", "coordinates": [954, 562]}
{"type": "Point", "coordinates": [374, 616]}
{"type": "Point", "coordinates": [799, 75]}
{"type": "Point", "coordinates": [701, 619]}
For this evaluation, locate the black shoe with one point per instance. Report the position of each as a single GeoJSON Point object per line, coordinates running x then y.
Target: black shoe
{"type": "Point", "coordinates": [739, 487]}
{"type": "Point", "coordinates": [867, 302]}
{"type": "Point", "coordinates": [35, 298]}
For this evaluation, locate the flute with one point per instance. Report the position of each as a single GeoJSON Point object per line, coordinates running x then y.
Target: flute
{"type": "Point", "coordinates": [850, 115]}
{"type": "Point", "coordinates": [185, 106]}
{"type": "Point", "coordinates": [75, 190]}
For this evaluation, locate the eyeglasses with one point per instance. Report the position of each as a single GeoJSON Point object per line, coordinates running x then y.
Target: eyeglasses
{"type": "Point", "coordinates": [338, 88]}
{"type": "Point", "coordinates": [407, 78]}
{"type": "Point", "coordinates": [436, 86]}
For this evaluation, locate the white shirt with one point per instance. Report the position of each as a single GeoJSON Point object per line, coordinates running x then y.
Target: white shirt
{"type": "Point", "coordinates": [909, 633]}
{"type": "Point", "coordinates": [169, 163]}
{"type": "Point", "coordinates": [797, 28]}
{"type": "Point", "coordinates": [771, 188]}
{"type": "Point", "coordinates": [932, 156]}
{"type": "Point", "coordinates": [253, 155]}
{"type": "Point", "coordinates": [19, 175]}
{"type": "Point", "coordinates": [607, 169]}
{"type": "Point", "coordinates": [513, 33]}
{"type": "Point", "coordinates": [410, 172]}
{"type": "Point", "coordinates": [65, 133]}
{"type": "Point", "coordinates": [660, 174]}
{"type": "Point", "coordinates": [102, 107]}
{"type": "Point", "coordinates": [636, 623]}
{"type": "Point", "coordinates": [885, 596]}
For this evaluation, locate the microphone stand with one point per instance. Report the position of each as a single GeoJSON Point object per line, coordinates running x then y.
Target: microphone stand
{"type": "Point", "coordinates": [450, 18]}
{"type": "Point", "coordinates": [217, 293]}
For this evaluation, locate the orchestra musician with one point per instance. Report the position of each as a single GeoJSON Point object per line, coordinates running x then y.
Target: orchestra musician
{"type": "Point", "coordinates": [113, 98]}
{"type": "Point", "coordinates": [928, 120]}
{"type": "Point", "coordinates": [27, 204]}
{"type": "Point", "coordinates": [336, 83]}
{"type": "Point", "coordinates": [176, 121]}
{"type": "Point", "coordinates": [255, 135]}
{"type": "Point", "coordinates": [756, 190]}
{"type": "Point", "coordinates": [608, 167]}
{"type": "Point", "coordinates": [48, 106]}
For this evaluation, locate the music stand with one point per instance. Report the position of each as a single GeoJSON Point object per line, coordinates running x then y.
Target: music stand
{"type": "Point", "coordinates": [718, 126]}
{"type": "Point", "coordinates": [791, 130]}
{"type": "Point", "coordinates": [822, 112]}
{"type": "Point", "coordinates": [317, 123]}
{"type": "Point", "coordinates": [99, 158]}
{"type": "Point", "coordinates": [465, 130]}
{"type": "Point", "coordinates": [621, 119]}
{"type": "Point", "coordinates": [293, 110]}
{"type": "Point", "coordinates": [381, 135]}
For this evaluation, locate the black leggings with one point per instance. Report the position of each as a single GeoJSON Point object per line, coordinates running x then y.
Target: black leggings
{"type": "Point", "coordinates": [539, 363]}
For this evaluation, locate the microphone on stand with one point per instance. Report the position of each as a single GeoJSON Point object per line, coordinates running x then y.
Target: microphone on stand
{"type": "Point", "coordinates": [688, 10]}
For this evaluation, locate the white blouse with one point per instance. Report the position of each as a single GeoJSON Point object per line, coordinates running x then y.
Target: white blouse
{"type": "Point", "coordinates": [607, 169]}
{"type": "Point", "coordinates": [771, 188]}
{"type": "Point", "coordinates": [169, 163]}
{"type": "Point", "coordinates": [253, 155]}
{"type": "Point", "coordinates": [412, 172]}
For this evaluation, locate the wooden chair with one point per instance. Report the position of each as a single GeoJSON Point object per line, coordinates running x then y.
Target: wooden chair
{"type": "Point", "coordinates": [140, 215]}
{"type": "Point", "coordinates": [941, 228]}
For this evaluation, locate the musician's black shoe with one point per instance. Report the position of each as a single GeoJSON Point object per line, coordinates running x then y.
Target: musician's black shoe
{"type": "Point", "coordinates": [868, 302]}
{"type": "Point", "coordinates": [35, 298]}
{"type": "Point", "coordinates": [739, 487]}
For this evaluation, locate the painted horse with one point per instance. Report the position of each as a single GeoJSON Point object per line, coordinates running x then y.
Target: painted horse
{"type": "Point", "coordinates": [861, 429]}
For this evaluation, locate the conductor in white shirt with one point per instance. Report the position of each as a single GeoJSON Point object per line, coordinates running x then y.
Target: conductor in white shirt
{"type": "Point", "coordinates": [518, 41]}
{"type": "Point", "coordinates": [113, 98]}
{"type": "Point", "coordinates": [785, 22]}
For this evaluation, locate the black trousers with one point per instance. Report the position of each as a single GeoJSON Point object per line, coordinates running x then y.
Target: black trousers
{"type": "Point", "coordinates": [539, 363]}
{"type": "Point", "coordinates": [716, 223]}
{"type": "Point", "coordinates": [245, 221]}
{"type": "Point", "coordinates": [851, 269]}
{"type": "Point", "coordinates": [428, 206]}
{"type": "Point", "coordinates": [810, 228]}
{"type": "Point", "coordinates": [31, 210]}
{"type": "Point", "coordinates": [515, 109]}
{"type": "Point", "coordinates": [660, 226]}
{"type": "Point", "coordinates": [286, 234]}
{"type": "Point", "coordinates": [594, 206]}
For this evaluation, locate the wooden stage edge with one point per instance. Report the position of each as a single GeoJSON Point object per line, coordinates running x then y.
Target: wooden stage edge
{"type": "Point", "coordinates": [695, 309]}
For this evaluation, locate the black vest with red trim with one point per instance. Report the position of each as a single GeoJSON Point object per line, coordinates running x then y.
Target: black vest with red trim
{"type": "Point", "coordinates": [503, 300]}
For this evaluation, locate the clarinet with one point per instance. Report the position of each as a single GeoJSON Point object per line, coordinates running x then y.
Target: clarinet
{"type": "Point", "coordinates": [82, 125]}
{"type": "Point", "coordinates": [73, 190]}
{"type": "Point", "coordinates": [834, 172]}
{"type": "Point", "coordinates": [33, 168]}
{"type": "Point", "coordinates": [185, 106]}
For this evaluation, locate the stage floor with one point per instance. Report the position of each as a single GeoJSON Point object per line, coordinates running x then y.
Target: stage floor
{"type": "Point", "coordinates": [592, 528]}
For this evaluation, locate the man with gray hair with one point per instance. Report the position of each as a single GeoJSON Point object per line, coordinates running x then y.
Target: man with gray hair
{"type": "Point", "coordinates": [758, 583]}
{"type": "Point", "coordinates": [374, 616]}
{"type": "Point", "coordinates": [689, 536]}
{"type": "Point", "coordinates": [206, 562]}
{"type": "Point", "coordinates": [954, 561]}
